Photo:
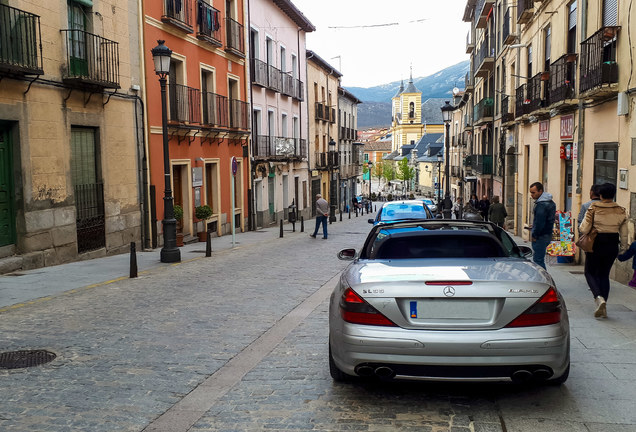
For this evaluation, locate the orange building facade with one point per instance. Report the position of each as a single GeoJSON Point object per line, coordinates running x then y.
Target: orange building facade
{"type": "Point", "coordinates": [207, 111]}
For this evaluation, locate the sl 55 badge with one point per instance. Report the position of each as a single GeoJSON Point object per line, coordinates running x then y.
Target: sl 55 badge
{"type": "Point", "coordinates": [373, 291]}
{"type": "Point", "coordinates": [523, 291]}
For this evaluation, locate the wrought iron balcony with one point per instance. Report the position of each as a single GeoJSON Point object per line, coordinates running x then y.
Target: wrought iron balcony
{"type": "Point", "coordinates": [20, 42]}
{"type": "Point", "coordinates": [485, 58]}
{"type": "Point", "coordinates": [456, 171]}
{"type": "Point", "coordinates": [506, 113]}
{"type": "Point", "coordinates": [482, 10]}
{"type": "Point", "coordinates": [507, 35]}
{"type": "Point", "coordinates": [239, 114]}
{"type": "Point", "coordinates": [274, 78]}
{"type": "Point", "coordinates": [470, 44]}
{"type": "Point", "coordinates": [234, 42]}
{"type": "Point", "coordinates": [562, 78]}
{"type": "Point", "coordinates": [208, 23]}
{"type": "Point", "coordinates": [483, 111]}
{"type": "Point", "coordinates": [280, 148]}
{"type": "Point", "coordinates": [599, 69]}
{"type": "Point", "coordinates": [258, 71]}
{"type": "Point", "coordinates": [322, 111]}
{"type": "Point", "coordinates": [525, 11]}
{"type": "Point", "coordinates": [534, 99]}
{"type": "Point", "coordinates": [287, 84]}
{"type": "Point", "coordinates": [299, 90]}
{"type": "Point", "coordinates": [469, 83]}
{"type": "Point", "coordinates": [91, 60]}
{"type": "Point", "coordinates": [482, 163]}
{"type": "Point", "coordinates": [184, 104]}
{"type": "Point", "coordinates": [178, 13]}
{"type": "Point", "coordinates": [520, 100]}
{"type": "Point", "coordinates": [215, 110]}
{"type": "Point", "coordinates": [327, 160]}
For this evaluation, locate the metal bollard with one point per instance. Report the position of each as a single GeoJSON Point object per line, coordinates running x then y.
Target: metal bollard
{"type": "Point", "coordinates": [376, 208]}
{"type": "Point", "coordinates": [294, 226]}
{"type": "Point", "coordinates": [133, 260]}
{"type": "Point", "coordinates": [302, 224]}
{"type": "Point", "coordinates": [340, 216]}
{"type": "Point", "coordinates": [208, 244]}
{"type": "Point", "coordinates": [349, 213]}
{"type": "Point", "coordinates": [281, 228]}
{"type": "Point", "coordinates": [356, 211]}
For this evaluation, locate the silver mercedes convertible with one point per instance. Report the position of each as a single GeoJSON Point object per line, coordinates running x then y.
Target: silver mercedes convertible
{"type": "Point", "coordinates": [446, 300]}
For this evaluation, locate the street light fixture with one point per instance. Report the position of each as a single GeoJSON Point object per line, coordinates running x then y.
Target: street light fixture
{"type": "Point", "coordinates": [332, 192]}
{"type": "Point", "coordinates": [447, 114]}
{"type": "Point", "coordinates": [170, 252]}
{"type": "Point", "coordinates": [370, 165]}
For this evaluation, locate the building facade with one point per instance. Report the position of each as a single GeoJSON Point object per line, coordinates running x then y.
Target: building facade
{"type": "Point", "coordinates": [279, 110]}
{"type": "Point", "coordinates": [71, 131]}
{"type": "Point", "coordinates": [349, 149]}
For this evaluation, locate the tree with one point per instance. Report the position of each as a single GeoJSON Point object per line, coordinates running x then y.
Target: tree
{"type": "Point", "coordinates": [405, 172]}
{"type": "Point", "coordinates": [388, 173]}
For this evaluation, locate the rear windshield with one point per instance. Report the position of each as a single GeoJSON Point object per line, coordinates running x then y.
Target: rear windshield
{"type": "Point", "coordinates": [404, 211]}
{"type": "Point", "coordinates": [439, 246]}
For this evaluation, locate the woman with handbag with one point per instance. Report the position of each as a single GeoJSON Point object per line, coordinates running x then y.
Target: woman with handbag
{"type": "Point", "coordinates": [610, 221]}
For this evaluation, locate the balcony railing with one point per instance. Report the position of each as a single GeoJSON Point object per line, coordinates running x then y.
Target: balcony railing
{"type": "Point", "coordinates": [483, 111]}
{"type": "Point", "coordinates": [506, 114]}
{"type": "Point", "coordinates": [525, 11]}
{"type": "Point", "coordinates": [520, 101]}
{"type": "Point", "coordinates": [562, 78]}
{"type": "Point", "coordinates": [507, 35]}
{"type": "Point", "coordinates": [234, 37]}
{"type": "Point", "coordinates": [482, 163]}
{"type": "Point", "coordinates": [456, 171]}
{"type": "Point", "coordinates": [185, 104]}
{"type": "Point", "coordinates": [280, 147]}
{"type": "Point", "coordinates": [259, 72]}
{"type": "Point", "coordinates": [91, 59]}
{"type": "Point", "coordinates": [327, 160]}
{"type": "Point", "coordinates": [482, 11]}
{"type": "Point", "coordinates": [208, 23]}
{"type": "Point", "coordinates": [239, 114]}
{"type": "Point", "coordinates": [287, 84]}
{"type": "Point", "coordinates": [322, 112]}
{"type": "Point", "coordinates": [470, 44]}
{"type": "Point", "coordinates": [332, 118]}
{"type": "Point", "coordinates": [485, 57]}
{"type": "Point", "coordinates": [469, 83]}
{"type": "Point", "coordinates": [20, 42]}
{"type": "Point", "coordinates": [598, 59]}
{"type": "Point", "coordinates": [274, 78]}
{"type": "Point", "coordinates": [215, 110]}
{"type": "Point", "coordinates": [533, 94]}
{"type": "Point", "coordinates": [299, 90]}
{"type": "Point", "coordinates": [178, 13]}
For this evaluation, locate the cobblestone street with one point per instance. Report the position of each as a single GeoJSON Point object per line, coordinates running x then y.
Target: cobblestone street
{"type": "Point", "coordinates": [197, 344]}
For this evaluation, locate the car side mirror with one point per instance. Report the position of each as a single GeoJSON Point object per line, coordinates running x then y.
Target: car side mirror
{"type": "Point", "coordinates": [370, 221]}
{"type": "Point", "coordinates": [526, 251]}
{"type": "Point", "coordinates": [347, 254]}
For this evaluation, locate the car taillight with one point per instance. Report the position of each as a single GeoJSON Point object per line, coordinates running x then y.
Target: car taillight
{"type": "Point", "coordinates": [354, 309]}
{"type": "Point", "coordinates": [546, 311]}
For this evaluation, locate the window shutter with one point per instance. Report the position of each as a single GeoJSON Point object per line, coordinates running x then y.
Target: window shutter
{"type": "Point", "coordinates": [610, 13]}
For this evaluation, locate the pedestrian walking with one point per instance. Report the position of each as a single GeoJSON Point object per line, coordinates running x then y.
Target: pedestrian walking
{"type": "Point", "coordinates": [610, 221]}
{"type": "Point", "coordinates": [543, 222]}
{"type": "Point", "coordinates": [457, 208]}
{"type": "Point", "coordinates": [322, 213]}
{"type": "Point", "coordinates": [484, 205]}
{"type": "Point", "coordinates": [474, 201]}
{"type": "Point", "coordinates": [627, 255]}
{"type": "Point", "coordinates": [497, 212]}
{"type": "Point", "coordinates": [593, 197]}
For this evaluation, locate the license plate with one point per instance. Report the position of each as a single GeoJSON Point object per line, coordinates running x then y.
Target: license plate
{"type": "Point", "coordinates": [470, 309]}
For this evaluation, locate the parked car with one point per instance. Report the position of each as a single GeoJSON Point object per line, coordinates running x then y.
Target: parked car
{"type": "Point", "coordinates": [448, 300]}
{"type": "Point", "coordinates": [431, 204]}
{"type": "Point", "coordinates": [402, 210]}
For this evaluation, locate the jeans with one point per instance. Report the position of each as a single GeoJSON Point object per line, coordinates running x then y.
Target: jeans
{"type": "Point", "coordinates": [321, 220]}
{"type": "Point", "coordinates": [599, 263]}
{"type": "Point", "coordinates": [539, 246]}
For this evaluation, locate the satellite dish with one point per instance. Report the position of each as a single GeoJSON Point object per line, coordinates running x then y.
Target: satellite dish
{"type": "Point", "coordinates": [455, 91]}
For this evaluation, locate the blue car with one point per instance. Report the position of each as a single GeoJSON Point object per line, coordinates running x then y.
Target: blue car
{"type": "Point", "coordinates": [402, 210]}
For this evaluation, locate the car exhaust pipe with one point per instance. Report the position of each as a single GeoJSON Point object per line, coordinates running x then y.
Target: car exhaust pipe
{"type": "Point", "coordinates": [384, 372]}
{"type": "Point", "coordinates": [364, 370]}
{"type": "Point", "coordinates": [542, 374]}
{"type": "Point", "coordinates": [521, 375]}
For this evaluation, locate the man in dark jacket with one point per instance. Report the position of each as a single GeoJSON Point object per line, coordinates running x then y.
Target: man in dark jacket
{"type": "Point", "coordinates": [484, 206]}
{"type": "Point", "coordinates": [543, 224]}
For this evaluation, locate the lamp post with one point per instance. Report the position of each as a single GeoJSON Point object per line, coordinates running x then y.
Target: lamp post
{"type": "Point", "coordinates": [370, 165]}
{"type": "Point", "coordinates": [439, 181]}
{"type": "Point", "coordinates": [447, 113]}
{"type": "Point", "coordinates": [170, 252]}
{"type": "Point", "coordinates": [332, 193]}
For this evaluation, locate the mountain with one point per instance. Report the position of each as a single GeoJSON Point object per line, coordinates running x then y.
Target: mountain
{"type": "Point", "coordinates": [376, 107]}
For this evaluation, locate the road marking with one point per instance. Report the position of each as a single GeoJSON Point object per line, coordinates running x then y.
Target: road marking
{"type": "Point", "coordinates": [185, 413]}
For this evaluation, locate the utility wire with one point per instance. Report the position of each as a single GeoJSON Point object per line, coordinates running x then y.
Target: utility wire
{"type": "Point", "coordinates": [377, 25]}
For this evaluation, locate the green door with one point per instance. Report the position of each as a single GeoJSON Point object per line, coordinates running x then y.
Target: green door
{"type": "Point", "coordinates": [7, 217]}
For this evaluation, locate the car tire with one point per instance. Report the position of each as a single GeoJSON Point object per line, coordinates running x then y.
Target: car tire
{"type": "Point", "coordinates": [337, 374]}
{"type": "Point", "coordinates": [562, 379]}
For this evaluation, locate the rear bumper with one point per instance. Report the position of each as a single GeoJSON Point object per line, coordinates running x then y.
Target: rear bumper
{"type": "Point", "coordinates": [451, 355]}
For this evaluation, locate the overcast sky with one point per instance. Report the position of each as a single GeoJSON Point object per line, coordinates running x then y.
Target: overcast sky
{"type": "Point", "coordinates": [387, 38]}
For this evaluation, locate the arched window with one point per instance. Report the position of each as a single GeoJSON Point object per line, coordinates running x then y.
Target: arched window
{"type": "Point", "coordinates": [411, 110]}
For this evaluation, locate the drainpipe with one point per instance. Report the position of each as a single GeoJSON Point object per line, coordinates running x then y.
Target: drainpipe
{"type": "Point", "coordinates": [581, 126]}
{"type": "Point", "coordinates": [251, 196]}
{"type": "Point", "coordinates": [300, 117]}
{"type": "Point", "coordinates": [145, 217]}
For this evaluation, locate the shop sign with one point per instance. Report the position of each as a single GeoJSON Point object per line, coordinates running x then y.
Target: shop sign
{"type": "Point", "coordinates": [567, 127]}
{"type": "Point", "coordinates": [544, 130]}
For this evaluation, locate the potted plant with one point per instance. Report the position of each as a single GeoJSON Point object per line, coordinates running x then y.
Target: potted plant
{"type": "Point", "coordinates": [178, 215]}
{"type": "Point", "coordinates": [202, 213]}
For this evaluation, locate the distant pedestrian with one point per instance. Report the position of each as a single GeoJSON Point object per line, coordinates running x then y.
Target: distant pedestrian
{"type": "Point", "coordinates": [474, 201]}
{"type": "Point", "coordinates": [484, 205]}
{"type": "Point", "coordinates": [322, 213]}
{"type": "Point", "coordinates": [543, 223]}
{"type": "Point", "coordinates": [627, 255]}
{"type": "Point", "coordinates": [497, 212]}
{"type": "Point", "coordinates": [610, 221]}
{"type": "Point", "coordinates": [593, 197]}
{"type": "Point", "coordinates": [457, 208]}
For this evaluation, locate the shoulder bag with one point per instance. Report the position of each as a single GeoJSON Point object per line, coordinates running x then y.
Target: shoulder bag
{"type": "Point", "coordinates": [586, 241]}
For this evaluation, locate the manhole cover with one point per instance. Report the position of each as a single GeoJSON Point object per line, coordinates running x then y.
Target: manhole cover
{"type": "Point", "coordinates": [24, 359]}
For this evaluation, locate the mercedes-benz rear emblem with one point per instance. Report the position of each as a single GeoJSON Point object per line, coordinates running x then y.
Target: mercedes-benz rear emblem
{"type": "Point", "coordinates": [449, 291]}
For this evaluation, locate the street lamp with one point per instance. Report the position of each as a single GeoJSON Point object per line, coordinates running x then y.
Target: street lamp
{"type": "Point", "coordinates": [447, 114]}
{"type": "Point", "coordinates": [439, 180]}
{"type": "Point", "coordinates": [332, 192]}
{"type": "Point", "coordinates": [170, 252]}
{"type": "Point", "coordinates": [370, 165]}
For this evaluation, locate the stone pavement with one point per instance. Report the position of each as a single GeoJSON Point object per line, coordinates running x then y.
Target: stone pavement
{"type": "Point", "coordinates": [232, 343]}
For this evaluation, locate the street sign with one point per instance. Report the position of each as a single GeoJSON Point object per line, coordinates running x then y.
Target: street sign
{"type": "Point", "coordinates": [234, 166]}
